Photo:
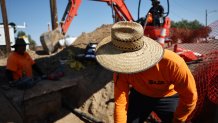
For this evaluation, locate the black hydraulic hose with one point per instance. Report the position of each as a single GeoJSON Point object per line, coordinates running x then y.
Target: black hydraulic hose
{"type": "Point", "coordinates": [112, 9]}
{"type": "Point", "coordinates": [89, 117]}
{"type": "Point", "coordinates": [66, 11]}
{"type": "Point", "coordinates": [139, 6]}
{"type": "Point", "coordinates": [168, 8]}
{"type": "Point", "coordinates": [80, 113]}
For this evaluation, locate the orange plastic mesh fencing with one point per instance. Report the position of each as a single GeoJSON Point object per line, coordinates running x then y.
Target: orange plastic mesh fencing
{"type": "Point", "coordinates": [206, 77]}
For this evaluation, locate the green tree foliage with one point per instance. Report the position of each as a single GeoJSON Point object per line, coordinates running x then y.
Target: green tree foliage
{"type": "Point", "coordinates": [186, 24]}
{"type": "Point", "coordinates": [31, 41]}
{"type": "Point", "coordinates": [21, 33]}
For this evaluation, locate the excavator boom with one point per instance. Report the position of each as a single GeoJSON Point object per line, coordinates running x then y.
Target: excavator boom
{"type": "Point", "coordinates": [120, 8]}
{"type": "Point", "coordinates": [69, 14]}
{"type": "Point", "coordinates": [49, 40]}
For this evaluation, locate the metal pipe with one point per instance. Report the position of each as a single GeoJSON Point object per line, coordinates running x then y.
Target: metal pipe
{"type": "Point", "coordinates": [80, 113]}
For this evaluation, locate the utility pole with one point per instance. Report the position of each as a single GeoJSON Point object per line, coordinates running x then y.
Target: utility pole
{"type": "Point", "coordinates": [213, 11]}
{"type": "Point", "coordinates": [5, 23]}
{"type": "Point", "coordinates": [54, 16]}
{"type": "Point", "coordinates": [206, 18]}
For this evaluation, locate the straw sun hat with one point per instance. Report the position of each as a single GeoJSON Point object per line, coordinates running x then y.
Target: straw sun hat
{"type": "Point", "coordinates": [127, 50]}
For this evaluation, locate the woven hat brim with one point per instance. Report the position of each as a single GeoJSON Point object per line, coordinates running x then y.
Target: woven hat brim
{"type": "Point", "coordinates": [116, 60]}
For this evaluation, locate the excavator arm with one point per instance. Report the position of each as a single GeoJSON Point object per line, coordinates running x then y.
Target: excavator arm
{"type": "Point", "coordinates": [50, 39]}
{"type": "Point", "coordinates": [121, 11]}
{"type": "Point", "coordinates": [69, 14]}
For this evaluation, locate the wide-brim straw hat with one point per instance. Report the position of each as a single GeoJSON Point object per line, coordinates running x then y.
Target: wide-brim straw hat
{"type": "Point", "coordinates": [127, 50]}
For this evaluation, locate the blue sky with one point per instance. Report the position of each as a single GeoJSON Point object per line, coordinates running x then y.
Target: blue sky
{"type": "Point", "coordinates": [36, 13]}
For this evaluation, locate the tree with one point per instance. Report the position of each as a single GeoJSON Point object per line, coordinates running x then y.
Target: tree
{"type": "Point", "coordinates": [195, 25]}
{"type": "Point", "coordinates": [21, 33]}
{"type": "Point", "coordinates": [31, 41]}
{"type": "Point", "coordinates": [187, 24]}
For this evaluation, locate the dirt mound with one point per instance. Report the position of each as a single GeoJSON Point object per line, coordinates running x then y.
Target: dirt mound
{"type": "Point", "coordinates": [96, 92]}
{"type": "Point", "coordinates": [93, 37]}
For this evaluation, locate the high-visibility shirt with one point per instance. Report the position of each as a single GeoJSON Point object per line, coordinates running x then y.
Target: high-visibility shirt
{"type": "Point", "coordinates": [169, 76]}
{"type": "Point", "coordinates": [20, 65]}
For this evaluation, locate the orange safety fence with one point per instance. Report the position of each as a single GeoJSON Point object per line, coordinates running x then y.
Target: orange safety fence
{"type": "Point", "coordinates": [206, 77]}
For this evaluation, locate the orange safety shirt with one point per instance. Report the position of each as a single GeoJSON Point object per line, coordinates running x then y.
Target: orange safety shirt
{"type": "Point", "coordinates": [169, 76]}
{"type": "Point", "coordinates": [20, 64]}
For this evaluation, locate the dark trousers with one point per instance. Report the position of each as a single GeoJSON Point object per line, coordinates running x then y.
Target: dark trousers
{"type": "Point", "coordinates": [140, 107]}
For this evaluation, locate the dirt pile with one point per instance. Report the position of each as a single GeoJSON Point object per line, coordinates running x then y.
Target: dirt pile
{"type": "Point", "coordinates": [93, 37]}
{"type": "Point", "coordinates": [96, 91]}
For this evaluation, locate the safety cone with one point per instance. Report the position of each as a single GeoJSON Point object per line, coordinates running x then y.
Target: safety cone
{"type": "Point", "coordinates": [162, 37]}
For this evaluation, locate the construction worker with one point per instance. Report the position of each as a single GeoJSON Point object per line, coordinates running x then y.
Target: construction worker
{"type": "Point", "coordinates": [157, 12]}
{"type": "Point", "coordinates": [19, 63]}
{"type": "Point", "coordinates": [147, 77]}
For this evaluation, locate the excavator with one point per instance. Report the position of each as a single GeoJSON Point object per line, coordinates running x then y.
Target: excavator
{"type": "Point", "coordinates": [49, 40]}
{"type": "Point", "coordinates": [159, 32]}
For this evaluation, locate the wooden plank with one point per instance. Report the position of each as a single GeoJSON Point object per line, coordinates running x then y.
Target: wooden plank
{"type": "Point", "coordinates": [43, 87]}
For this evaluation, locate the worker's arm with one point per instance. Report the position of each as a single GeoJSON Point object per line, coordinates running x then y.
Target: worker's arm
{"type": "Point", "coordinates": [11, 67]}
{"type": "Point", "coordinates": [185, 86]}
{"type": "Point", "coordinates": [161, 10]}
{"type": "Point", "coordinates": [121, 89]}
